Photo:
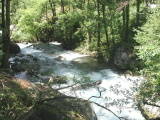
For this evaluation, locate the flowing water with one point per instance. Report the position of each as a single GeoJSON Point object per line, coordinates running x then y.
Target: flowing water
{"type": "Point", "coordinates": [112, 90]}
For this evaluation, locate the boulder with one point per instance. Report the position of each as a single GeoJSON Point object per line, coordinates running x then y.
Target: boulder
{"type": "Point", "coordinates": [63, 108]}
{"type": "Point", "coordinates": [123, 58]}
{"type": "Point", "coordinates": [14, 48]}
{"type": "Point", "coordinates": [27, 63]}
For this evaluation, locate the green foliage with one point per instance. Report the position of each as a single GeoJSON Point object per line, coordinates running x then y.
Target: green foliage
{"type": "Point", "coordinates": [44, 21]}
{"type": "Point", "coordinates": [27, 20]}
{"type": "Point", "coordinates": [13, 103]}
{"type": "Point", "coordinates": [75, 24]}
{"type": "Point", "coordinates": [10, 106]}
{"type": "Point", "coordinates": [14, 100]}
{"type": "Point", "coordinates": [148, 37]}
{"type": "Point", "coordinates": [68, 29]}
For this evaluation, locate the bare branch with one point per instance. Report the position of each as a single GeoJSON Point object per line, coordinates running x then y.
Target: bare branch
{"type": "Point", "coordinates": [100, 94]}
{"type": "Point", "coordinates": [74, 86]}
{"type": "Point", "coordinates": [151, 104]}
{"type": "Point", "coordinates": [66, 87]}
{"type": "Point", "coordinates": [120, 118]}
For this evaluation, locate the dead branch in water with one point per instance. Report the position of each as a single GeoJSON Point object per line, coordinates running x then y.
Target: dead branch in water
{"type": "Point", "coordinates": [100, 94]}
{"type": "Point", "coordinates": [77, 85]}
{"type": "Point", "coordinates": [70, 86]}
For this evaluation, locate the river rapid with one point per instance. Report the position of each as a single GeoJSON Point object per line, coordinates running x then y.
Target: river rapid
{"type": "Point", "coordinates": [112, 90]}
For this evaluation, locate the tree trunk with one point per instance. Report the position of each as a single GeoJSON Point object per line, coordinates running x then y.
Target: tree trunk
{"type": "Point", "coordinates": [46, 8]}
{"type": "Point", "coordinates": [62, 6]}
{"type": "Point", "coordinates": [52, 5]}
{"type": "Point", "coordinates": [6, 31]}
{"type": "Point", "coordinates": [138, 10]}
{"type": "Point", "coordinates": [89, 39]}
{"type": "Point", "coordinates": [127, 24]}
{"type": "Point", "coordinates": [105, 26]}
{"type": "Point", "coordinates": [3, 19]}
{"type": "Point", "coordinates": [98, 29]}
{"type": "Point", "coordinates": [124, 18]}
{"type": "Point", "coordinates": [111, 29]}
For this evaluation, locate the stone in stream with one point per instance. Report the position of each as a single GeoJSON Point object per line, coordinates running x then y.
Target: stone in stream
{"type": "Point", "coordinates": [27, 63]}
{"type": "Point", "coordinates": [14, 48]}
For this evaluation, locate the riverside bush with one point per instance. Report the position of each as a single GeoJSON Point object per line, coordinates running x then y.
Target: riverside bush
{"type": "Point", "coordinates": [148, 51]}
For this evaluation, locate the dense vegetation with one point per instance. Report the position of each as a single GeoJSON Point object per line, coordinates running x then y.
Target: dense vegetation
{"type": "Point", "coordinates": [99, 25]}
{"type": "Point", "coordinates": [148, 51]}
{"type": "Point", "coordinates": [14, 100]}
{"type": "Point", "coordinates": [96, 27]}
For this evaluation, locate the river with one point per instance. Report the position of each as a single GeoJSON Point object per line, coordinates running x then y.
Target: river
{"type": "Point", "coordinates": [114, 91]}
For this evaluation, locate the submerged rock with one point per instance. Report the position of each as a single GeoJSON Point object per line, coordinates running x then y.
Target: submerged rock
{"type": "Point", "coordinates": [27, 63]}
{"type": "Point", "coordinates": [86, 62]}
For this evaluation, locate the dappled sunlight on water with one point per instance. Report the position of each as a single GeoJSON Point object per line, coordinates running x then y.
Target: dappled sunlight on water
{"type": "Point", "coordinates": [111, 90]}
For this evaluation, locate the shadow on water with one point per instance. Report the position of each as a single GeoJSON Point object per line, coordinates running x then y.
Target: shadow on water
{"type": "Point", "coordinates": [117, 90]}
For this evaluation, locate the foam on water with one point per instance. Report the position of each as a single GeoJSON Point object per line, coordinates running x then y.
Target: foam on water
{"type": "Point", "coordinates": [69, 56]}
{"type": "Point", "coordinates": [117, 91]}
{"type": "Point", "coordinates": [116, 94]}
{"type": "Point", "coordinates": [22, 75]}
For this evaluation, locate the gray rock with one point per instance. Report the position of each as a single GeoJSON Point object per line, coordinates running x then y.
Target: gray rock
{"type": "Point", "coordinates": [14, 48]}
{"type": "Point", "coordinates": [27, 63]}
{"type": "Point", "coordinates": [56, 106]}
{"type": "Point", "coordinates": [123, 58]}
{"type": "Point", "coordinates": [63, 108]}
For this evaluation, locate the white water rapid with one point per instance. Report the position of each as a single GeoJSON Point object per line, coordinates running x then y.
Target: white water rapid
{"type": "Point", "coordinates": [117, 91]}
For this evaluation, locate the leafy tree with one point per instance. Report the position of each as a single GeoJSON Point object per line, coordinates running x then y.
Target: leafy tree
{"type": "Point", "coordinates": [148, 51]}
{"type": "Point", "coordinates": [99, 25]}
